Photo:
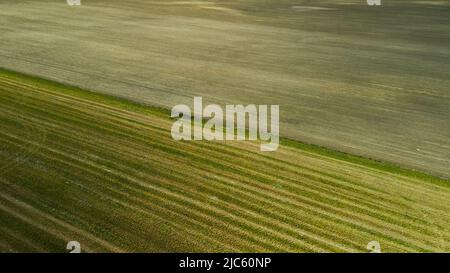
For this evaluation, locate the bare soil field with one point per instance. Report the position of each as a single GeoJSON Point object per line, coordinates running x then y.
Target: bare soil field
{"type": "Point", "coordinates": [372, 81]}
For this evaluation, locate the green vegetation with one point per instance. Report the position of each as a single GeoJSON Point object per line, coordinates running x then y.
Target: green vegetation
{"type": "Point", "coordinates": [76, 165]}
{"type": "Point", "coordinates": [371, 81]}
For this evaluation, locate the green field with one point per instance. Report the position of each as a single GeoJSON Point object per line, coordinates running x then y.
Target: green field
{"type": "Point", "coordinates": [75, 165]}
{"type": "Point", "coordinates": [372, 81]}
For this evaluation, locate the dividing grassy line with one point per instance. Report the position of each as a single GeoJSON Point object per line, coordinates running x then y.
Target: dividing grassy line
{"type": "Point", "coordinates": [370, 163]}
{"type": "Point", "coordinates": [137, 165]}
{"type": "Point", "coordinates": [132, 106]}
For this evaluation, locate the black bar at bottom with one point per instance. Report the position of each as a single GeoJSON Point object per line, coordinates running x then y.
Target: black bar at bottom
{"type": "Point", "coordinates": [197, 262]}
